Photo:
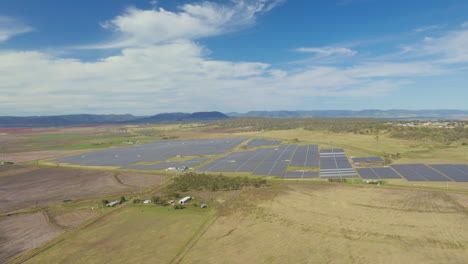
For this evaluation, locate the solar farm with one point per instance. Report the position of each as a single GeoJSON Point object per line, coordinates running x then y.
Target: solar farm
{"type": "Point", "coordinates": [269, 159]}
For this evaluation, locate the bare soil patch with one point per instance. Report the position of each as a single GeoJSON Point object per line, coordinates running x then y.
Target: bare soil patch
{"type": "Point", "coordinates": [70, 218]}
{"type": "Point", "coordinates": [141, 180]}
{"type": "Point", "coordinates": [20, 233]}
{"type": "Point", "coordinates": [49, 186]}
{"type": "Point", "coordinates": [38, 155]}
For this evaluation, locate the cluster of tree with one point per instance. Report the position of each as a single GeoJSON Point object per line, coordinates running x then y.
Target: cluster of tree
{"type": "Point", "coordinates": [367, 126]}
{"type": "Point", "coordinates": [196, 181]}
{"type": "Point", "coordinates": [331, 124]}
{"type": "Point", "coordinates": [426, 133]}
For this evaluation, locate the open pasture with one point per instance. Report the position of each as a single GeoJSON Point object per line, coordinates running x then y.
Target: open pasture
{"type": "Point", "coordinates": [334, 223]}
{"type": "Point", "coordinates": [134, 234]}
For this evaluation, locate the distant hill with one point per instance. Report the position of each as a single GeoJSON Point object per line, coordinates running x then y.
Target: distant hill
{"type": "Point", "coordinates": [63, 120]}
{"type": "Point", "coordinates": [386, 114]}
{"type": "Point", "coordinates": [84, 119]}
{"type": "Point", "coordinates": [183, 117]}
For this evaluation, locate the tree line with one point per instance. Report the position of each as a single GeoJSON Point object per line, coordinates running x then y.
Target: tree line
{"type": "Point", "coordinates": [366, 126]}
{"type": "Point", "coordinates": [196, 181]}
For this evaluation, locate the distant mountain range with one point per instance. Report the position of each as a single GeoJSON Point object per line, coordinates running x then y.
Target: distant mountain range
{"type": "Point", "coordinates": [85, 119]}
{"type": "Point", "coordinates": [385, 114]}
{"type": "Point", "coordinates": [80, 120]}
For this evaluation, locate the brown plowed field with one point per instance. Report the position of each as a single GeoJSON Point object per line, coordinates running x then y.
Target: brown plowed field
{"type": "Point", "coordinates": [20, 233]}
{"type": "Point", "coordinates": [142, 180]}
{"type": "Point", "coordinates": [38, 155]}
{"type": "Point", "coordinates": [49, 186]}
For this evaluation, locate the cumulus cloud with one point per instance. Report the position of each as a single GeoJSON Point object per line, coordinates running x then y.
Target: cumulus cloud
{"type": "Point", "coordinates": [138, 27]}
{"type": "Point", "coordinates": [10, 27]}
{"type": "Point", "coordinates": [159, 67]}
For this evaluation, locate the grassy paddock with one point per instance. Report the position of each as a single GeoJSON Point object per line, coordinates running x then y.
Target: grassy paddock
{"type": "Point", "coordinates": [135, 234]}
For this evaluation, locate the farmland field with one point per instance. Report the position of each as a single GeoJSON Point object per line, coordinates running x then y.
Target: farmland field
{"type": "Point", "coordinates": [135, 234]}
{"type": "Point", "coordinates": [23, 232]}
{"type": "Point", "coordinates": [48, 186]}
{"type": "Point", "coordinates": [322, 223]}
{"type": "Point", "coordinates": [289, 221]}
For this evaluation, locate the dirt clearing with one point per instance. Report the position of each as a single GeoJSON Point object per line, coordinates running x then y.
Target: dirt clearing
{"type": "Point", "coordinates": [141, 180]}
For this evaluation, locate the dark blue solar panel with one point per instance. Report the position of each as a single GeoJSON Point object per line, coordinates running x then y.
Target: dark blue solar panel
{"type": "Point", "coordinates": [367, 173]}
{"type": "Point", "coordinates": [368, 159]}
{"type": "Point", "coordinates": [257, 142]}
{"type": "Point", "coordinates": [156, 151]}
{"type": "Point", "coordinates": [305, 156]}
{"type": "Point", "coordinates": [458, 173]}
{"type": "Point", "coordinates": [301, 174]}
{"type": "Point", "coordinates": [378, 173]}
{"type": "Point", "coordinates": [165, 165]}
{"type": "Point", "coordinates": [277, 162]}
{"type": "Point", "coordinates": [237, 161]}
{"type": "Point", "coordinates": [419, 172]}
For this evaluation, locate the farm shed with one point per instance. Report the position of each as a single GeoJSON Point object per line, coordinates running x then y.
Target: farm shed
{"type": "Point", "coordinates": [185, 200]}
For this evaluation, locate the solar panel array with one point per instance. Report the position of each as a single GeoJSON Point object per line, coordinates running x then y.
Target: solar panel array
{"type": "Point", "coordinates": [156, 151]}
{"type": "Point", "coordinates": [368, 159]}
{"type": "Point", "coordinates": [305, 156]}
{"type": "Point", "coordinates": [419, 172]}
{"type": "Point", "coordinates": [277, 162]}
{"type": "Point", "coordinates": [168, 164]}
{"type": "Point", "coordinates": [458, 173]}
{"type": "Point", "coordinates": [301, 174]}
{"type": "Point", "coordinates": [257, 142]}
{"type": "Point", "coordinates": [238, 161]}
{"type": "Point", "coordinates": [335, 164]}
{"type": "Point", "coordinates": [378, 173]}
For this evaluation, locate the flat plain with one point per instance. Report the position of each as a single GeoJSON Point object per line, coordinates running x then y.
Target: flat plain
{"type": "Point", "coordinates": [135, 234]}
{"type": "Point", "coordinates": [324, 223]}
{"type": "Point", "coordinates": [289, 221]}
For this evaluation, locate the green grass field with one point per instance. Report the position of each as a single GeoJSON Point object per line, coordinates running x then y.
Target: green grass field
{"type": "Point", "coordinates": [49, 137]}
{"type": "Point", "coordinates": [134, 234]}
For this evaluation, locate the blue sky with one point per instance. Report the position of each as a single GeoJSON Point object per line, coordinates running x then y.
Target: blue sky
{"type": "Point", "coordinates": [145, 57]}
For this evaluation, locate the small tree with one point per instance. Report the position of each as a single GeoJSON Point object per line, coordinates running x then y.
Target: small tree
{"type": "Point", "coordinates": [122, 199]}
{"type": "Point", "coordinates": [156, 199]}
{"type": "Point", "coordinates": [104, 202]}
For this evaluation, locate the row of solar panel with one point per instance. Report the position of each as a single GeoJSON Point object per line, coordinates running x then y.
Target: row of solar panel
{"type": "Point", "coordinates": [168, 164]}
{"type": "Point", "coordinates": [152, 152]}
{"type": "Point", "coordinates": [305, 156]}
{"type": "Point", "coordinates": [368, 159]}
{"type": "Point", "coordinates": [257, 142]}
{"type": "Point", "coordinates": [418, 172]}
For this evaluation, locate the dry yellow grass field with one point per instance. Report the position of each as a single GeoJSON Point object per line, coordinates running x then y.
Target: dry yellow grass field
{"type": "Point", "coordinates": [334, 223]}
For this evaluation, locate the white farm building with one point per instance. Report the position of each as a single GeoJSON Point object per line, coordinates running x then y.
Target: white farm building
{"type": "Point", "coordinates": [185, 200]}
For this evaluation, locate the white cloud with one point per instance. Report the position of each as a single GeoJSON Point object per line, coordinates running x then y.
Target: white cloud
{"type": "Point", "coordinates": [428, 28]}
{"type": "Point", "coordinates": [10, 27]}
{"type": "Point", "coordinates": [166, 77]}
{"type": "Point", "coordinates": [137, 27]}
{"type": "Point", "coordinates": [328, 51]}
{"type": "Point", "coordinates": [449, 48]}
{"type": "Point", "coordinates": [161, 68]}
{"type": "Point", "coordinates": [464, 25]}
